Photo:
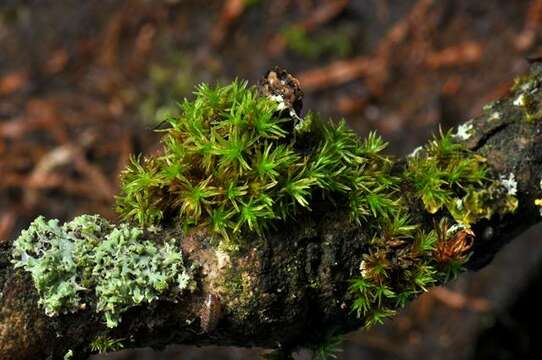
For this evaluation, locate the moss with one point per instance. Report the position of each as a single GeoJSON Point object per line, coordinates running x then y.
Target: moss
{"type": "Point", "coordinates": [328, 347]}
{"type": "Point", "coordinates": [232, 162]}
{"type": "Point", "coordinates": [239, 292]}
{"type": "Point", "coordinates": [103, 344]}
{"type": "Point", "coordinates": [445, 174]}
{"type": "Point", "coordinates": [89, 262]}
{"type": "Point", "coordinates": [405, 258]}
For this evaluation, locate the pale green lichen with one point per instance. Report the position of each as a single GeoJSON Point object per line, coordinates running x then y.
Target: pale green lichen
{"type": "Point", "coordinates": [89, 262]}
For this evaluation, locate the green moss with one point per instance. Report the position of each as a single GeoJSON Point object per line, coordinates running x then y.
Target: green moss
{"type": "Point", "coordinates": [89, 262]}
{"type": "Point", "coordinates": [405, 258]}
{"type": "Point", "coordinates": [232, 163]}
{"type": "Point", "coordinates": [329, 346]}
{"type": "Point", "coordinates": [445, 175]}
{"type": "Point", "coordinates": [103, 344]}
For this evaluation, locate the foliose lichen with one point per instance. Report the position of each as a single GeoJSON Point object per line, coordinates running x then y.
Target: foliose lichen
{"type": "Point", "coordinates": [90, 262]}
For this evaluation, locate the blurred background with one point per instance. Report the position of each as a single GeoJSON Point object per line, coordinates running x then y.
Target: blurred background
{"type": "Point", "coordinates": [84, 82]}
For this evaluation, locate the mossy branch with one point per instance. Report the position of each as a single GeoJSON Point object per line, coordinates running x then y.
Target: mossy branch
{"type": "Point", "coordinates": [256, 226]}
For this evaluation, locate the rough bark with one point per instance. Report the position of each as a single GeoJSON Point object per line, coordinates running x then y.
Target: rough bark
{"type": "Point", "coordinates": [270, 301]}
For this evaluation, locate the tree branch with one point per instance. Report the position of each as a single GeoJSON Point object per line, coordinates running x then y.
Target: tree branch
{"type": "Point", "coordinates": [291, 286]}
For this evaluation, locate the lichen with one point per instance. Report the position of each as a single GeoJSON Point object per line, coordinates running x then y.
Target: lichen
{"type": "Point", "coordinates": [509, 183]}
{"type": "Point", "coordinates": [90, 262]}
{"type": "Point", "coordinates": [464, 131]}
{"type": "Point", "coordinates": [494, 116]}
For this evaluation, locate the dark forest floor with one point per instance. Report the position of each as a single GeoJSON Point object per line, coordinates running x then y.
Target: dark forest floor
{"type": "Point", "coordinates": [82, 84]}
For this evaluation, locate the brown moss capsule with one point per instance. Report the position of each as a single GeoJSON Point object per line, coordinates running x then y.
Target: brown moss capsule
{"type": "Point", "coordinates": [454, 248]}
{"type": "Point", "coordinates": [210, 313]}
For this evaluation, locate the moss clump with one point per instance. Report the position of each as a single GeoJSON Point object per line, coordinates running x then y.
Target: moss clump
{"type": "Point", "coordinates": [232, 162]}
{"type": "Point", "coordinates": [445, 175]}
{"type": "Point", "coordinates": [405, 258]}
{"type": "Point", "coordinates": [441, 169]}
{"type": "Point", "coordinates": [104, 344]}
{"type": "Point", "coordinates": [89, 262]}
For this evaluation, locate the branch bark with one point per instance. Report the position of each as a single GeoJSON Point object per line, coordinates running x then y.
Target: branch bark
{"type": "Point", "coordinates": [271, 302]}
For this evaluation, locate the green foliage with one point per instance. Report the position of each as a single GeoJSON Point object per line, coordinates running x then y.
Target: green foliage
{"type": "Point", "coordinates": [89, 262]}
{"type": "Point", "coordinates": [329, 347]}
{"type": "Point", "coordinates": [442, 170]}
{"type": "Point", "coordinates": [445, 174]}
{"type": "Point", "coordinates": [405, 258]}
{"type": "Point", "coordinates": [231, 164]}
{"type": "Point", "coordinates": [103, 344]}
